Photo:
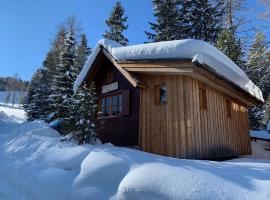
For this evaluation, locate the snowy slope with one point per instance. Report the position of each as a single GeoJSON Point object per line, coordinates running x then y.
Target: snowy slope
{"type": "Point", "coordinates": [37, 165]}
{"type": "Point", "coordinates": [196, 50]}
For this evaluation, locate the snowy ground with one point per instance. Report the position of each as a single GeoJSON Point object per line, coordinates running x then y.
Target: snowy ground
{"type": "Point", "coordinates": [36, 165]}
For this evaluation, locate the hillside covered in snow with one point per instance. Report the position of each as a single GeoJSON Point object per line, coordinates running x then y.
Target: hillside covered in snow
{"type": "Point", "coordinates": [38, 164]}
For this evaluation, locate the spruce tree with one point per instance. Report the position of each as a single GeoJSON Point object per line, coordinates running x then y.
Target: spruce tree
{"type": "Point", "coordinates": [258, 64]}
{"type": "Point", "coordinates": [83, 53]}
{"type": "Point", "coordinates": [228, 43]}
{"type": "Point", "coordinates": [31, 105]}
{"type": "Point", "coordinates": [201, 19]}
{"type": "Point", "coordinates": [85, 111]}
{"type": "Point", "coordinates": [117, 25]}
{"type": "Point", "coordinates": [168, 21]}
{"type": "Point", "coordinates": [65, 77]}
{"type": "Point", "coordinates": [258, 71]}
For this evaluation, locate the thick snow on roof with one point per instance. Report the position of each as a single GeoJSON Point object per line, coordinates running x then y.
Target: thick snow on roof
{"type": "Point", "coordinates": [260, 134]}
{"type": "Point", "coordinates": [196, 50]}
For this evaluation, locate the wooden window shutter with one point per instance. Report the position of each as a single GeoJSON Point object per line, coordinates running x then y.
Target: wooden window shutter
{"type": "Point", "coordinates": [126, 103]}
{"type": "Point", "coordinates": [202, 97]}
{"type": "Point", "coordinates": [229, 108]}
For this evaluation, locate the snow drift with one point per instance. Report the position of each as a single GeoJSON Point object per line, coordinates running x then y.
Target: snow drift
{"type": "Point", "coordinates": [195, 50]}
{"type": "Point", "coordinates": [36, 164]}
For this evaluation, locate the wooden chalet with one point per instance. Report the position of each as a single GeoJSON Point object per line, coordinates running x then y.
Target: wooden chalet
{"type": "Point", "coordinates": [182, 98]}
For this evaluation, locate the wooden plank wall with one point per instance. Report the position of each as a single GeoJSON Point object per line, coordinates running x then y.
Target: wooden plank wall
{"type": "Point", "coordinates": [179, 128]}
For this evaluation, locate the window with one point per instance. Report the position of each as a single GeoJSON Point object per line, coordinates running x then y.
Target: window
{"type": "Point", "coordinates": [229, 108]}
{"type": "Point", "coordinates": [161, 93]}
{"type": "Point", "coordinates": [111, 105]}
{"type": "Point", "coordinates": [202, 97]}
{"type": "Point", "coordinates": [109, 77]}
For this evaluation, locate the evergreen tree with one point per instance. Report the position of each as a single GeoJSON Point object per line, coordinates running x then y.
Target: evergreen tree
{"type": "Point", "coordinates": [36, 103]}
{"type": "Point", "coordinates": [231, 46]}
{"type": "Point", "coordinates": [31, 100]}
{"type": "Point", "coordinates": [266, 116]}
{"type": "Point", "coordinates": [117, 25]}
{"type": "Point", "coordinates": [258, 64]}
{"type": "Point", "coordinates": [258, 71]}
{"type": "Point", "coordinates": [51, 62]}
{"type": "Point", "coordinates": [83, 53]}
{"type": "Point", "coordinates": [65, 77]}
{"type": "Point", "coordinates": [85, 110]}
{"type": "Point", "coordinates": [201, 19]}
{"type": "Point", "coordinates": [168, 21]}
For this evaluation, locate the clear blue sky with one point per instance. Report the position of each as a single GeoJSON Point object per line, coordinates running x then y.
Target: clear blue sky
{"type": "Point", "coordinates": [27, 27]}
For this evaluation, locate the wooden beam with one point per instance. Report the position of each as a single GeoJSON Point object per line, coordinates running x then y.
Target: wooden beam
{"type": "Point", "coordinates": [133, 80]}
{"type": "Point", "coordinates": [222, 85]}
{"type": "Point", "coordinates": [164, 71]}
{"type": "Point", "coordinates": [177, 64]}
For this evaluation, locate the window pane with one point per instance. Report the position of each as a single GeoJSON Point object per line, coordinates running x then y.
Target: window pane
{"type": "Point", "coordinates": [119, 109]}
{"type": "Point", "coordinates": [108, 106]}
{"type": "Point", "coordinates": [114, 110]}
{"type": "Point", "coordinates": [102, 109]}
{"type": "Point", "coordinates": [114, 100]}
{"type": "Point", "coordinates": [163, 93]}
{"type": "Point", "coordinates": [120, 99]}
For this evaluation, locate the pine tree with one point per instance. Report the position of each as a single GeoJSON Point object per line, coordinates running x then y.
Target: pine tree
{"type": "Point", "coordinates": [117, 25]}
{"type": "Point", "coordinates": [258, 64]}
{"type": "Point", "coordinates": [258, 71]}
{"type": "Point", "coordinates": [31, 105]}
{"type": "Point", "coordinates": [65, 77]}
{"type": "Point", "coordinates": [85, 110]}
{"type": "Point", "coordinates": [231, 46]}
{"type": "Point", "coordinates": [51, 62]}
{"type": "Point", "coordinates": [83, 53]}
{"type": "Point", "coordinates": [201, 19]}
{"type": "Point", "coordinates": [168, 21]}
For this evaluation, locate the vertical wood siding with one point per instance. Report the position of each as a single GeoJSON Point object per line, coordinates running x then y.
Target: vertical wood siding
{"type": "Point", "coordinates": [180, 128]}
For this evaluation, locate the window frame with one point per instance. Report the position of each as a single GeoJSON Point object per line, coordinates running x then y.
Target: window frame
{"type": "Point", "coordinates": [157, 89]}
{"type": "Point", "coordinates": [203, 97]}
{"type": "Point", "coordinates": [228, 106]}
{"type": "Point", "coordinates": [109, 78]}
{"type": "Point", "coordinates": [110, 96]}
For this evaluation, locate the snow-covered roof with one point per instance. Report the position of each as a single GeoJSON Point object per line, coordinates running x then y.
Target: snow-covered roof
{"type": "Point", "coordinates": [196, 50]}
{"type": "Point", "coordinates": [260, 134]}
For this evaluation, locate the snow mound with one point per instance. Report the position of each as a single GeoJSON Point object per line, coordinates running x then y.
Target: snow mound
{"type": "Point", "coordinates": [37, 165]}
{"type": "Point", "coordinates": [195, 50]}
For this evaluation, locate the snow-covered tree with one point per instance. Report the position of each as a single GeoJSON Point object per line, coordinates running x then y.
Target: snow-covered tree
{"type": "Point", "coordinates": [201, 19]}
{"type": "Point", "coordinates": [258, 64]}
{"type": "Point", "coordinates": [31, 104]}
{"type": "Point", "coordinates": [65, 77]}
{"type": "Point", "coordinates": [168, 21]}
{"type": "Point", "coordinates": [228, 43]}
{"type": "Point", "coordinates": [83, 52]}
{"type": "Point", "coordinates": [117, 25]}
{"type": "Point", "coordinates": [85, 112]}
{"type": "Point", "coordinates": [259, 72]}
{"type": "Point", "coordinates": [36, 102]}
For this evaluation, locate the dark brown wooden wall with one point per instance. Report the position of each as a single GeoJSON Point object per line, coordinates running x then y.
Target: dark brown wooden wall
{"type": "Point", "coordinates": [180, 128]}
{"type": "Point", "coordinates": [118, 130]}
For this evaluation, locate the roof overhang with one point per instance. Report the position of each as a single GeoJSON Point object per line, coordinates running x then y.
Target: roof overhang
{"type": "Point", "coordinates": [134, 81]}
{"type": "Point", "coordinates": [196, 70]}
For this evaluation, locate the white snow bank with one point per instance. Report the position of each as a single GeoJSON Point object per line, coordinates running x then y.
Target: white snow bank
{"type": "Point", "coordinates": [196, 50]}
{"type": "Point", "coordinates": [260, 134]}
{"type": "Point", "coordinates": [36, 165]}
{"type": "Point", "coordinates": [12, 114]}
